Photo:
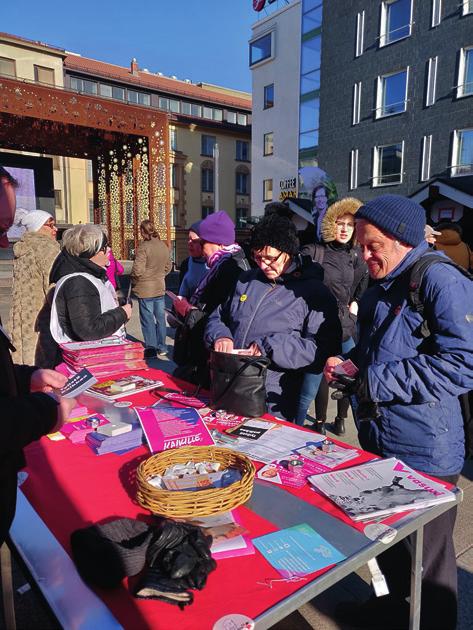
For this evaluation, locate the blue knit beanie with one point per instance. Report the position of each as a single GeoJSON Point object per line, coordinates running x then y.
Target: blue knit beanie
{"type": "Point", "coordinates": [398, 216]}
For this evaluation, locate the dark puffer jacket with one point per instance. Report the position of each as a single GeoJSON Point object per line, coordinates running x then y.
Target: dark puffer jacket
{"type": "Point", "coordinates": [78, 301]}
{"type": "Point", "coordinates": [293, 321]}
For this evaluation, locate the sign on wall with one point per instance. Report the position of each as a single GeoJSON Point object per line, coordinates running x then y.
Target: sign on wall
{"type": "Point", "coordinates": [287, 188]}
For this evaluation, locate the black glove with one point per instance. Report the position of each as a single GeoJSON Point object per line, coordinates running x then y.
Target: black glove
{"type": "Point", "coordinates": [357, 386]}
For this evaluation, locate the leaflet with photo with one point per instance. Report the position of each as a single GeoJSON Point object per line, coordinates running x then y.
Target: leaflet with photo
{"type": "Point", "coordinates": [114, 388]}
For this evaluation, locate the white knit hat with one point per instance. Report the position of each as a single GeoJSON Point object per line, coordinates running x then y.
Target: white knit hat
{"type": "Point", "coordinates": [35, 220]}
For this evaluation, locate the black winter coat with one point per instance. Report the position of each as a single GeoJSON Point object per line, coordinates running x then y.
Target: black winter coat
{"type": "Point", "coordinates": [345, 274]}
{"type": "Point", "coordinates": [78, 301]}
{"type": "Point", "coordinates": [24, 417]}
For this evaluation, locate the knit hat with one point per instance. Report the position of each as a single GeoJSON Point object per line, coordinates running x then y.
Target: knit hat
{"type": "Point", "coordinates": [347, 205]}
{"type": "Point", "coordinates": [195, 226]}
{"type": "Point", "coordinates": [398, 216]}
{"type": "Point", "coordinates": [275, 231]}
{"type": "Point", "coordinates": [34, 220]}
{"type": "Point", "coordinates": [217, 228]}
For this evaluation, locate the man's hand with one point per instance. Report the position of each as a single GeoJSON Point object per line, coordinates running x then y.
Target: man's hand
{"type": "Point", "coordinates": [47, 381]}
{"type": "Point", "coordinates": [224, 344]}
{"type": "Point", "coordinates": [330, 365]}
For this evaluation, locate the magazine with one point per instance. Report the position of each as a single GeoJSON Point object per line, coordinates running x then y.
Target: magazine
{"type": "Point", "coordinates": [124, 386]}
{"type": "Point", "coordinates": [380, 487]}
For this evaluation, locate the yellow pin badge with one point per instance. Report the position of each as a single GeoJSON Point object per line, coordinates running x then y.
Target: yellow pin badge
{"type": "Point", "coordinates": [243, 297]}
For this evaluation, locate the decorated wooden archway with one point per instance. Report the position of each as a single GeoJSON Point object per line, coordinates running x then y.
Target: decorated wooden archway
{"type": "Point", "coordinates": [127, 144]}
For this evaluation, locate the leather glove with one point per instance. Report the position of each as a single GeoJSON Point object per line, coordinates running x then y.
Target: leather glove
{"type": "Point", "coordinates": [357, 386]}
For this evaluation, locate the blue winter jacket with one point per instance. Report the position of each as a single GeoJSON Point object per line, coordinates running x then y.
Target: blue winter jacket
{"type": "Point", "coordinates": [294, 321]}
{"type": "Point", "coordinates": [417, 382]}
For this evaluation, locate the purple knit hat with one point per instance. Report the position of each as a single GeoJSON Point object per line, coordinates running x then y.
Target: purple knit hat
{"type": "Point", "coordinates": [217, 228]}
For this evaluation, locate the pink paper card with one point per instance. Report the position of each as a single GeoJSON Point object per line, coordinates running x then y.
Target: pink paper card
{"type": "Point", "coordinates": [171, 427]}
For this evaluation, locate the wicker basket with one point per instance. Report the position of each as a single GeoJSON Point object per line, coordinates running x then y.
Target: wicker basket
{"type": "Point", "coordinates": [187, 504]}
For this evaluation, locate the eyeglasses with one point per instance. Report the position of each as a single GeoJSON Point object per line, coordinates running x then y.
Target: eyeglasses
{"type": "Point", "coordinates": [267, 260]}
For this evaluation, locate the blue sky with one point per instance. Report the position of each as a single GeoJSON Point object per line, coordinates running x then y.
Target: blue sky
{"type": "Point", "coordinates": [201, 40]}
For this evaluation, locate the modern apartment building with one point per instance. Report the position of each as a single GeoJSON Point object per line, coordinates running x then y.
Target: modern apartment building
{"type": "Point", "coordinates": [378, 94]}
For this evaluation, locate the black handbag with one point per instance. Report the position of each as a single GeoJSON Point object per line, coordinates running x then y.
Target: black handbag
{"type": "Point", "coordinates": [237, 383]}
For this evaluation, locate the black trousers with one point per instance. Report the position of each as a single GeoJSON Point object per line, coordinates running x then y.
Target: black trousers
{"type": "Point", "coordinates": [8, 488]}
{"type": "Point", "coordinates": [439, 575]}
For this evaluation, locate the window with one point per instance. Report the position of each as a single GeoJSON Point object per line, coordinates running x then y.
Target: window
{"type": "Point", "coordinates": [174, 106]}
{"type": "Point", "coordinates": [232, 117]}
{"type": "Point", "coordinates": [218, 115]}
{"type": "Point", "coordinates": [467, 7]}
{"type": "Point", "coordinates": [462, 163]}
{"type": "Point", "coordinates": [174, 176]}
{"type": "Point", "coordinates": [163, 103]}
{"type": "Point", "coordinates": [105, 90]}
{"type": "Point", "coordinates": [465, 73]}
{"type": "Point", "coordinates": [118, 93]}
{"type": "Point", "coordinates": [242, 119]}
{"type": "Point", "coordinates": [356, 103]}
{"type": "Point", "coordinates": [207, 145]}
{"type": "Point", "coordinates": [7, 67]}
{"type": "Point", "coordinates": [241, 216]}
{"type": "Point", "coordinates": [312, 19]}
{"type": "Point", "coordinates": [431, 81]}
{"type": "Point", "coordinates": [353, 169]}
{"type": "Point", "coordinates": [84, 86]}
{"type": "Point", "coordinates": [360, 34]}
{"type": "Point", "coordinates": [387, 164]}
{"type": "Point", "coordinates": [267, 189]}
{"type": "Point", "coordinates": [207, 113]}
{"type": "Point", "coordinates": [207, 179]}
{"type": "Point", "coordinates": [206, 210]}
{"type": "Point", "coordinates": [186, 108]}
{"type": "Point", "coordinates": [138, 97]}
{"type": "Point", "coordinates": [241, 186]}
{"type": "Point", "coordinates": [261, 49]}
{"type": "Point", "coordinates": [174, 215]}
{"type": "Point", "coordinates": [391, 94]}
{"type": "Point", "coordinates": [46, 75]}
{"type": "Point", "coordinates": [426, 151]}
{"type": "Point", "coordinates": [173, 139]}
{"type": "Point", "coordinates": [58, 198]}
{"type": "Point", "coordinates": [196, 110]}
{"type": "Point", "coordinates": [90, 204]}
{"type": "Point", "coordinates": [310, 54]}
{"type": "Point", "coordinates": [90, 171]}
{"type": "Point", "coordinates": [395, 21]}
{"type": "Point", "coordinates": [436, 12]}
{"type": "Point", "coordinates": [268, 96]}
{"type": "Point", "coordinates": [268, 143]}
{"type": "Point", "coordinates": [310, 82]}
{"type": "Point", "coordinates": [242, 151]}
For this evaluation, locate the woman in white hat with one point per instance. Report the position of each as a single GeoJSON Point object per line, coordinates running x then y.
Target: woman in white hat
{"type": "Point", "coordinates": [34, 254]}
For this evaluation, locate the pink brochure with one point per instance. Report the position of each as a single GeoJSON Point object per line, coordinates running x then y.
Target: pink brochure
{"type": "Point", "coordinates": [172, 427]}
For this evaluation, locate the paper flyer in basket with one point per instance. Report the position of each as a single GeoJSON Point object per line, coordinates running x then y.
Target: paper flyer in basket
{"type": "Point", "coordinates": [385, 486]}
{"type": "Point", "coordinates": [172, 427]}
{"type": "Point", "coordinates": [297, 551]}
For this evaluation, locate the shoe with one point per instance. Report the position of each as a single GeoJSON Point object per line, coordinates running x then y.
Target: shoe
{"type": "Point", "coordinates": [150, 353]}
{"type": "Point", "coordinates": [319, 426]}
{"type": "Point", "coordinates": [338, 426]}
{"type": "Point", "coordinates": [387, 612]}
{"type": "Point", "coordinates": [162, 353]}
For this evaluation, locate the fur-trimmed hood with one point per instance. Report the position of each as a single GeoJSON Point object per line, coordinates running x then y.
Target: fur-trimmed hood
{"type": "Point", "coordinates": [347, 205]}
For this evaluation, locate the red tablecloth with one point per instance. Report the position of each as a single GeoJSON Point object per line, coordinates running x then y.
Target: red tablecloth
{"type": "Point", "coordinates": [70, 487]}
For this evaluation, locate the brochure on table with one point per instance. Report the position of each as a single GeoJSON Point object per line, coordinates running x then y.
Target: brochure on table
{"type": "Point", "coordinates": [114, 388]}
{"type": "Point", "coordinates": [378, 488]}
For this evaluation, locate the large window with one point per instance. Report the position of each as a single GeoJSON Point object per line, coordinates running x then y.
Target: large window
{"type": "Point", "coordinates": [7, 67]}
{"type": "Point", "coordinates": [268, 96]}
{"type": "Point", "coordinates": [360, 34]}
{"type": "Point", "coordinates": [207, 178]}
{"type": "Point", "coordinates": [395, 21]}
{"type": "Point", "coordinates": [207, 145]}
{"type": "Point", "coordinates": [268, 144]}
{"type": "Point", "coordinates": [387, 164]}
{"type": "Point", "coordinates": [242, 150]}
{"type": "Point", "coordinates": [241, 186]}
{"type": "Point", "coordinates": [267, 189]}
{"type": "Point", "coordinates": [431, 81]}
{"type": "Point", "coordinates": [46, 75]}
{"type": "Point", "coordinates": [392, 94]}
{"type": "Point", "coordinates": [261, 49]}
{"type": "Point", "coordinates": [462, 162]}
{"type": "Point", "coordinates": [465, 72]}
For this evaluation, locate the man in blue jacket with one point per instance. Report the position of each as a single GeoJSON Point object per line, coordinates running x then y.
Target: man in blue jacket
{"type": "Point", "coordinates": [406, 393]}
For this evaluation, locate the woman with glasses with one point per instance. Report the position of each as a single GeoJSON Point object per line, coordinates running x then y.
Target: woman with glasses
{"type": "Point", "coordinates": [346, 275]}
{"type": "Point", "coordinates": [280, 310]}
{"type": "Point", "coordinates": [84, 306]}
{"type": "Point", "coordinates": [34, 255]}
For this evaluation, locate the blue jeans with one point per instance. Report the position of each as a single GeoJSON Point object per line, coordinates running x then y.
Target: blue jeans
{"type": "Point", "coordinates": [310, 387]}
{"type": "Point", "coordinates": [153, 322]}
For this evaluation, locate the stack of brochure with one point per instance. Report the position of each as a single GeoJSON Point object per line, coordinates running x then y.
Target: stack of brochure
{"type": "Point", "coordinates": [379, 488]}
{"type": "Point", "coordinates": [102, 444]}
{"type": "Point", "coordinates": [104, 357]}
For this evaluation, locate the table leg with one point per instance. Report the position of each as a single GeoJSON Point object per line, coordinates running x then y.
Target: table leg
{"type": "Point", "coordinates": [416, 579]}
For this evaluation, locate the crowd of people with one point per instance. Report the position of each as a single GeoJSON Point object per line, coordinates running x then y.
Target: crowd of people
{"type": "Point", "coordinates": [304, 306]}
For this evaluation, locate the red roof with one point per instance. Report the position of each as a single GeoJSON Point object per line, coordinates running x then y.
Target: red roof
{"type": "Point", "coordinates": [153, 82]}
